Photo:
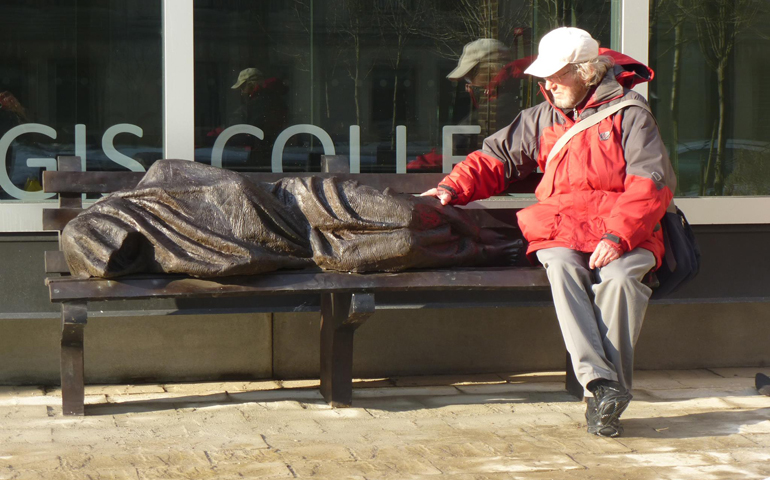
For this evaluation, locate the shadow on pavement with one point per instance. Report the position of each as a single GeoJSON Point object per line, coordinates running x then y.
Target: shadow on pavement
{"type": "Point", "coordinates": [694, 425]}
{"type": "Point", "coordinates": [386, 399]}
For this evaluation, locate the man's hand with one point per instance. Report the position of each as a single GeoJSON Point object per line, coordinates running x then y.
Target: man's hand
{"type": "Point", "coordinates": [604, 254]}
{"type": "Point", "coordinates": [443, 196]}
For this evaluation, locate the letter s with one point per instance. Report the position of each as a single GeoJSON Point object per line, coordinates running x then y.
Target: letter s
{"type": "Point", "coordinates": [113, 154]}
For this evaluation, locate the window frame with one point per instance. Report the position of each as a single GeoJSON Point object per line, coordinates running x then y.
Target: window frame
{"type": "Point", "coordinates": [178, 119]}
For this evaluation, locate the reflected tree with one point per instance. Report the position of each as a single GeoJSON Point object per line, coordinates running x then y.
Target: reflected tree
{"type": "Point", "coordinates": [676, 13]}
{"type": "Point", "coordinates": [454, 24]}
{"type": "Point", "coordinates": [555, 13]}
{"type": "Point", "coordinates": [401, 20]}
{"type": "Point", "coordinates": [452, 28]}
{"type": "Point", "coordinates": [719, 23]}
{"type": "Point", "coordinates": [356, 22]}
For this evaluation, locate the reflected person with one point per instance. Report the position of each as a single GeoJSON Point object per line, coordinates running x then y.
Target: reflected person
{"type": "Point", "coordinates": [494, 99]}
{"type": "Point", "coordinates": [263, 105]}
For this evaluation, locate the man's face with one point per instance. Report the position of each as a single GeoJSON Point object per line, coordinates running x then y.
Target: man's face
{"type": "Point", "coordinates": [566, 87]}
{"type": "Point", "coordinates": [480, 75]}
{"type": "Point", "coordinates": [248, 87]}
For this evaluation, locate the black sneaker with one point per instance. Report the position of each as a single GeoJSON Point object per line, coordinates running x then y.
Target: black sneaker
{"type": "Point", "coordinates": [762, 382]}
{"type": "Point", "coordinates": [612, 398]}
{"type": "Point", "coordinates": [595, 425]}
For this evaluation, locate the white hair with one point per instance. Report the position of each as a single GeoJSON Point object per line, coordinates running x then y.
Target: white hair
{"type": "Point", "coordinates": [592, 71]}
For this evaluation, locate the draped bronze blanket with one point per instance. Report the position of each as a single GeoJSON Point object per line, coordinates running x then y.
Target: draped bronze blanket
{"type": "Point", "coordinates": [189, 218]}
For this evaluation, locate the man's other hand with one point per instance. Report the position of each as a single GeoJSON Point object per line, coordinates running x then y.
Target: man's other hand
{"type": "Point", "coordinates": [603, 255]}
{"type": "Point", "coordinates": [443, 196]}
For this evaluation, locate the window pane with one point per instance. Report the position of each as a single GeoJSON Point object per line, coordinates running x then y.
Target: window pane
{"type": "Point", "coordinates": [78, 77]}
{"type": "Point", "coordinates": [367, 79]}
{"type": "Point", "coordinates": [709, 93]}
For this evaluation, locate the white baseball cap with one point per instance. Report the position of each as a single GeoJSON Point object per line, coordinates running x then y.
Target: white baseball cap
{"type": "Point", "coordinates": [246, 75]}
{"type": "Point", "coordinates": [560, 47]}
{"type": "Point", "coordinates": [478, 51]}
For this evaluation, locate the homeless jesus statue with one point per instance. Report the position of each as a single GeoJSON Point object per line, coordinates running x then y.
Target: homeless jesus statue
{"type": "Point", "coordinates": [188, 218]}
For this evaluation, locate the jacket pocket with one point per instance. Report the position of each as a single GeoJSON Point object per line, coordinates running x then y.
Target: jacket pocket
{"type": "Point", "coordinates": [539, 222]}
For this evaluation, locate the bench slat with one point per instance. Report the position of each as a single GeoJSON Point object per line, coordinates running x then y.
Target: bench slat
{"type": "Point", "coordinates": [72, 289]}
{"type": "Point", "coordinates": [106, 182]}
{"type": "Point", "coordinates": [69, 163]}
{"type": "Point", "coordinates": [411, 183]}
{"type": "Point", "coordinates": [55, 262]}
{"type": "Point", "coordinates": [57, 218]}
{"type": "Point", "coordinates": [89, 182]}
{"type": "Point", "coordinates": [70, 200]}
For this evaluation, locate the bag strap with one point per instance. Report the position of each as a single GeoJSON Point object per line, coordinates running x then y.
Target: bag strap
{"type": "Point", "coordinates": [590, 122]}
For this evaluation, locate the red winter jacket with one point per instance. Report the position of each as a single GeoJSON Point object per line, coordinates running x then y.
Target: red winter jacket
{"type": "Point", "coordinates": [613, 178]}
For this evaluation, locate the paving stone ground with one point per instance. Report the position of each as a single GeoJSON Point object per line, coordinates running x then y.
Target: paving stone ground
{"type": "Point", "coordinates": [695, 424]}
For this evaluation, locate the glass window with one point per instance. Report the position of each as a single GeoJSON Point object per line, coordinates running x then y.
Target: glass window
{"type": "Point", "coordinates": [281, 82]}
{"type": "Point", "coordinates": [78, 77]}
{"type": "Point", "coordinates": [709, 94]}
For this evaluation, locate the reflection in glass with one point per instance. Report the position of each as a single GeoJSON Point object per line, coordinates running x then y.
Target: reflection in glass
{"type": "Point", "coordinates": [709, 94]}
{"type": "Point", "coordinates": [79, 77]}
{"type": "Point", "coordinates": [369, 76]}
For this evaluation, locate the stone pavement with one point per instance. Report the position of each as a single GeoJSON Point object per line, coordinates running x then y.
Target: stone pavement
{"type": "Point", "coordinates": [695, 424]}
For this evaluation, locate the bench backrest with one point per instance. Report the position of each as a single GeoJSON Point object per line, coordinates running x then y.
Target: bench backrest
{"type": "Point", "coordinates": [70, 182]}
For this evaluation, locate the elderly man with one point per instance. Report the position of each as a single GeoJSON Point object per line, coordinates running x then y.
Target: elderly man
{"type": "Point", "coordinates": [595, 227]}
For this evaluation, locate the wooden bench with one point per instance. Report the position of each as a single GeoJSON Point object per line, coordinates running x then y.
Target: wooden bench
{"type": "Point", "coordinates": [346, 300]}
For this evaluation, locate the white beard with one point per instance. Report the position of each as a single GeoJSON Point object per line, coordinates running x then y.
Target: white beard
{"type": "Point", "coordinates": [571, 100]}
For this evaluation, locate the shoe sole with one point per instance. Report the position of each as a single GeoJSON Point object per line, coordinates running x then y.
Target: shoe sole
{"type": "Point", "coordinates": [612, 408]}
{"type": "Point", "coordinates": [606, 430]}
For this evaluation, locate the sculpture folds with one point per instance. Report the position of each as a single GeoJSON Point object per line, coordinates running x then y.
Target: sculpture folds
{"type": "Point", "coordinates": [189, 218]}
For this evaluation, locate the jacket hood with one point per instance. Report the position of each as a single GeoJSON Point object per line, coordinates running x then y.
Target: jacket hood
{"type": "Point", "coordinates": [628, 72]}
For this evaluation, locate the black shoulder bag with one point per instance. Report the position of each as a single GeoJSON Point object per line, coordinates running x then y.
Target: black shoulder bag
{"type": "Point", "coordinates": [681, 261]}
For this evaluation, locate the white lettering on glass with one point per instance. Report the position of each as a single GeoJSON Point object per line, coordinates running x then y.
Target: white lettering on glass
{"type": "Point", "coordinates": [217, 151]}
{"type": "Point", "coordinates": [5, 145]}
{"type": "Point", "coordinates": [401, 149]}
{"type": "Point", "coordinates": [113, 154]}
{"type": "Point", "coordinates": [80, 144]}
{"type": "Point", "coordinates": [283, 137]}
{"type": "Point", "coordinates": [355, 149]}
{"type": "Point", "coordinates": [219, 145]}
{"type": "Point", "coordinates": [448, 159]}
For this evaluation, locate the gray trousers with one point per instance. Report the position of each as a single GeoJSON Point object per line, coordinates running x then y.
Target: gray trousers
{"type": "Point", "coordinates": [600, 311]}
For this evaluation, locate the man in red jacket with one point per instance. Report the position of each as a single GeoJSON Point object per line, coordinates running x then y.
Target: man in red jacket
{"type": "Point", "coordinates": [596, 226]}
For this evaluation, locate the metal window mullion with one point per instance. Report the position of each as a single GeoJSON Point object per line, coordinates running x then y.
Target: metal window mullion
{"type": "Point", "coordinates": [178, 80]}
{"type": "Point", "coordinates": [635, 33]}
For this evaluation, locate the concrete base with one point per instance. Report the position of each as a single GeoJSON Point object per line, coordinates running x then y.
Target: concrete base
{"type": "Point", "coordinates": [406, 342]}
{"type": "Point", "coordinates": [704, 335]}
{"type": "Point", "coordinates": [424, 342]}
{"type": "Point", "coordinates": [142, 349]}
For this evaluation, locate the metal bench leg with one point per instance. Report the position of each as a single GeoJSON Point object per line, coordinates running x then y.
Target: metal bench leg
{"type": "Point", "coordinates": [74, 317]}
{"type": "Point", "coordinates": [571, 383]}
{"type": "Point", "coordinates": [341, 314]}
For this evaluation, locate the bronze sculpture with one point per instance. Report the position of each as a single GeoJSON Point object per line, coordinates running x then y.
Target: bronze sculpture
{"type": "Point", "coordinates": [189, 218]}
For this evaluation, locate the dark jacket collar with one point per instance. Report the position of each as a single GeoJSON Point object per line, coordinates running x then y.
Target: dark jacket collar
{"type": "Point", "coordinates": [608, 89]}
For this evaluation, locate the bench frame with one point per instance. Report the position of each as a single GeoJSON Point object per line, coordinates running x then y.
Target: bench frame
{"type": "Point", "coordinates": [346, 300]}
